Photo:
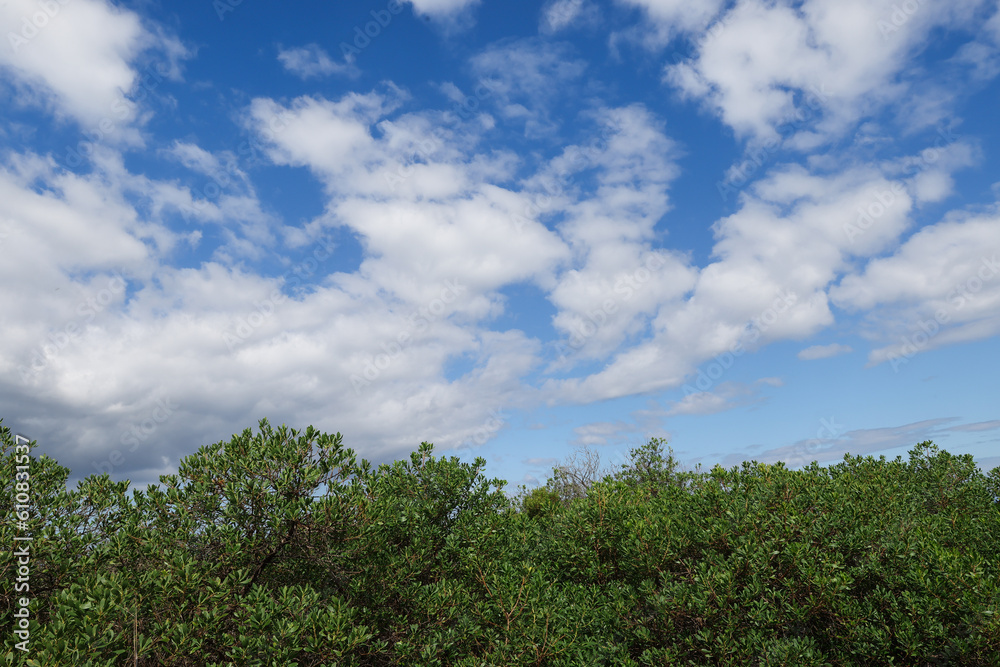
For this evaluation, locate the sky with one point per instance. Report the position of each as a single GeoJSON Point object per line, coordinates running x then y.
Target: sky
{"type": "Point", "coordinates": [762, 230]}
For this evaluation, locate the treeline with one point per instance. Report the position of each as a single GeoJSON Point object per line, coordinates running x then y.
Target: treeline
{"type": "Point", "coordinates": [280, 548]}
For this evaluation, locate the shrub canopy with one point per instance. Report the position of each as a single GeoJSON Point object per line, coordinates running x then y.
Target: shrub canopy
{"type": "Point", "coordinates": [280, 548]}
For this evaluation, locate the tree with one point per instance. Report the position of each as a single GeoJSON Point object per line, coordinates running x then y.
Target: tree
{"type": "Point", "coordinates": [648, 466]}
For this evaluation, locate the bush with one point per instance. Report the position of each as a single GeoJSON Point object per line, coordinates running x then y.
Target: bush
{"type": "Point", "coordinates": [540, 502]}
{"type": "Point", "coordinates": [280, 548]}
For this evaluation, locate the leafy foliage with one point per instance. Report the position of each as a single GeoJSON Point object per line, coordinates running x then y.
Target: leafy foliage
{"type": "Point", "coordinates": [279, 548]}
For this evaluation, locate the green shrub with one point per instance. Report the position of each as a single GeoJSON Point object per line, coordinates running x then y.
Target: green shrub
{"type": "Point", "coordinates": [279, 548]}
{"type": "Point", "coordinates": [541, 501]}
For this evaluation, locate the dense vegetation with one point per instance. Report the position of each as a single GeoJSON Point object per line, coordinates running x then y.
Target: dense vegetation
{"type": "Point", "coordinates": [279, 548]}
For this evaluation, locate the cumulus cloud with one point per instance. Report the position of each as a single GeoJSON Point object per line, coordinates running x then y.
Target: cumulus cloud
{"type": "Point", "coordinates": [420, 206]}
{"type": "Point", "coordinates": [158, 356]}
{"type": "Point", "coordinates": [941, 287]}
{"type": "Point", "coordinates": [77, 58]}
{"type": "Point", "coordinates": [777, 260]}
{"type": "Point", "coordinates": [766, 65]}
{"type": "Point", "coordinates": [754, 293]}
{"type": "Point", "coordinates": [227, 199]}
{"type": "Point", "coordinates": [195, 350]}
{"type": "Point", "coordinates": [621, 282]}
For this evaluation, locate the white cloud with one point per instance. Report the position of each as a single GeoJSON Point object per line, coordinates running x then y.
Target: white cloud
{"type": "Point", "coordinates": [101, 328]}
{"type": "Point", "coordinates": [165, 339]}
{"type": "Point", "coordinates": [559, 15]}
{"type": "Point", "coordinates": [437, 218]}
{"type": "Point", "coordinates": [525, 78]}
{"type": "Point", "coordinates": [333, 138]}
{"type": "Point", "coordinates": [195, 158]}
{"type": "Point", "coordinates": [673, 16]}
{"type": "Point", "coordinates": [992, 27]}
{"type": "Point", "coordinates": [442, 8]}
{"type": "Point", "coordinates": [527, 68]}
{"type": "Point", "coordinates": [983, 54]}
{"type": "Point", "coordinates": [701, 403]}
{"type": "Point", "coordinates": [313, 61]}
{"type": "Point", "coordinates": [824, 351]}
{"type": "Point", "coordinates": [928, 266]}
{"type": "Point", "coordinates": [76, 58]}
{"type": "Point", "coordinates": [225, 196]}
{"type": "Point", "coordinates": [766, 65]}
{"type": "Point", "coordinates": [775, 258]}
{"type": "Point", "coordinates": [76, 225]}
{"type": "Point", "coordinates": [620, 282]}
{"type": "Point", "coordinates": [941, 287]}
{"type": "Point", "coordinates": [929, 173]}
{"type": "Point", "coordinates": [419, 203]}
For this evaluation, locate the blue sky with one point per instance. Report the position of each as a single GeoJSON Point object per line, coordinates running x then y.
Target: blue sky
{"type": "Point", "coordinates": [760, 230]}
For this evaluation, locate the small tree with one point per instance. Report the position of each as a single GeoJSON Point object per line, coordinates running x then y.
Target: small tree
{"type": "Point", "coordinates": [649, 466]}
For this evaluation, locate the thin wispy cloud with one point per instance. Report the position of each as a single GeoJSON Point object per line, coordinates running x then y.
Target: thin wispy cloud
{"type": "Point", "coordinates": [824, 351]}
{"type": "Point", "coordinates": [312, 61]}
